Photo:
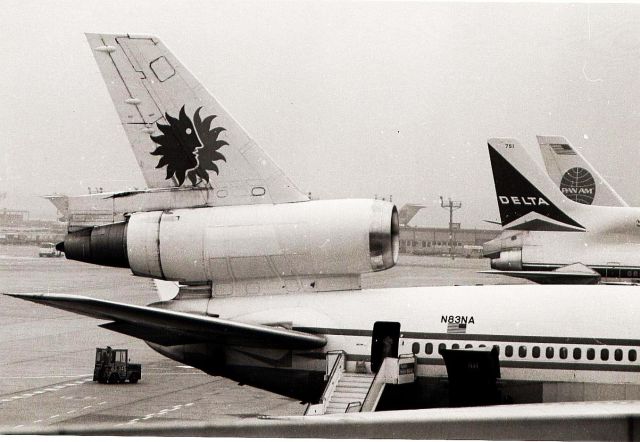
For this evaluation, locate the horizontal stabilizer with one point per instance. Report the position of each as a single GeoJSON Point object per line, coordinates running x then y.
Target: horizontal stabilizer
{"type": "Point", "coordinates": [158, 325]}
{"type": "Point", "coordinates": [572, 274]}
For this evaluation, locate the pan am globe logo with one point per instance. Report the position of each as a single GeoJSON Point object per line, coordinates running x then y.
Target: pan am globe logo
{"type": "Point", "coordinates": [578, 185]}
{"type": "Point", "coordinates": [189, 148]}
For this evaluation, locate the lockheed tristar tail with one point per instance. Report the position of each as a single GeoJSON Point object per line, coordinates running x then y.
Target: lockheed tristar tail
{"type": "Point", "coordinates": [526, 203]}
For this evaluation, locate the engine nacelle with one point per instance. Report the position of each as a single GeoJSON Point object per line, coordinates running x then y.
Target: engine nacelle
{"type": "Point", "coordinates": [335, 237]}
{"type": "Point", "coordinates": [508, 260]}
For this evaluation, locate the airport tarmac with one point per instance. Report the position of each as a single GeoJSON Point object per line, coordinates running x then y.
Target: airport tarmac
{"type": "Point", "coordinates": [47, 364]}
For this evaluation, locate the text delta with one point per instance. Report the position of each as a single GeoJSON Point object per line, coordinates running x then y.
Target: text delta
{"type": "Point", "coordinates": [523, 200]}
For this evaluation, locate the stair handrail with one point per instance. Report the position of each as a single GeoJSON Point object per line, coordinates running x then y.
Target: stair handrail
{"type": "Point", "coordinates": [353, 407]}
{"type": "Point", "coordinates": [332, 381]}
{"type": "Point", "coordinates": [380, 380]}
{"type": "Point", "coordinates": [370, 399]}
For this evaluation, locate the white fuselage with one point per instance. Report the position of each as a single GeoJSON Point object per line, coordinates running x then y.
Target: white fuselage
{"type": "Point", "coordinates": [556, 333]}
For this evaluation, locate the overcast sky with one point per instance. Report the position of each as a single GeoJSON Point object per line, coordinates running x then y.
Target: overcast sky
{"type": "Point", "coordinates": [350, 99]}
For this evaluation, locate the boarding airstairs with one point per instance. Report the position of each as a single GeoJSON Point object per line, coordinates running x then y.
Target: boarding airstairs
{"type": "Point", "coordinates": [352, 387]}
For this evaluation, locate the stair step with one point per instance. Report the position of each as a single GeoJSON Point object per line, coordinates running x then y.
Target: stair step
{"type": "Point", "coordinates": [356, 380]}
{"type": "Point", "coordinates": [341, 389]}
{"type": "Point", "coordinates": [353, 384]}
{"type": "Point", "coordinates": [355, 396]}
{"type": "Point", "coordinates": [357, 375]}
{"type": "Point", "coordinates": [343, 403]}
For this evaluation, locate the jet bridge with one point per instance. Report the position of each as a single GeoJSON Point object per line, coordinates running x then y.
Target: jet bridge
{"type": "Point", "coordinates": [352, 391]}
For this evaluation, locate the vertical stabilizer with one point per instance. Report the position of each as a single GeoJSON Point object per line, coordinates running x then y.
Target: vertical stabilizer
{"type": "Point", "coordinates": [181, 136]}
{"type": "Point", "coordinates": [407, 212]}
{"type": "Point", "coordinates": [574, 175]}
{"type": "Point", "coordinates": [527, 198]}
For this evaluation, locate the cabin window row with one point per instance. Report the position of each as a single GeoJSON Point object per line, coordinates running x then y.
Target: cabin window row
{"type": "Point", "coordinates": [410, 243]}
{"type": "Point", "coordinates": [549, 352]}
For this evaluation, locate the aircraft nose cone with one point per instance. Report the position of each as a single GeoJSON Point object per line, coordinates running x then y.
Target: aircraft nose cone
{"type": "Point", "coordinates": [60, 246]}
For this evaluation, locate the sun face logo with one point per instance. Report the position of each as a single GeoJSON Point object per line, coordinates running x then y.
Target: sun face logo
{"type": "Point", "coordinates": [189, 148]}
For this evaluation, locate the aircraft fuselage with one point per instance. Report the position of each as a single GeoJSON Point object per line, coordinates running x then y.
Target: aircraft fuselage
{"type": "Point", "coordinates": [546, 334]}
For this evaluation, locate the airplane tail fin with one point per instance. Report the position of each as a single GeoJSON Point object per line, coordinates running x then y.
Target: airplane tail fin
{"type": "Point", "coordinates": [61, 202]}
{"type": "Point", "coordinates": [180, 134]}
{"type": "Point", "coordinates": [407, 212]}
{"type": "Point", "coordinates": [574, 175]}
{"type": "Point", "coordinates": [527, 198]}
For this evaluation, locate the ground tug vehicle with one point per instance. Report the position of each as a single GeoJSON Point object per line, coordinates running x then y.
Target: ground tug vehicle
{"type": "Point", "coordinates": [113, 366]}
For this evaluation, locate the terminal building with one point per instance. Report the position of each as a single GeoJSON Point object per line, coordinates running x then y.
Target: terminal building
{"type": "Point", "coordinates": [17, 228]}
{"type": "Point", "coordinates": [434, 239]}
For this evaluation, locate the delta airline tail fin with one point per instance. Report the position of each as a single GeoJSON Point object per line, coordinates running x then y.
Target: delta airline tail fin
{"type": "Point", "coordinates": [527, 198]}
{"type": "Point", "coordinates": [574, 175]}
{"type": "Point", "coordinates": [181, 136]}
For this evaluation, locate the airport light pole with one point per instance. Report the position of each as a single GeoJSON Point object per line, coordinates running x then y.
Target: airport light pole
{"type": "Point", "coordinates": [451, 205]}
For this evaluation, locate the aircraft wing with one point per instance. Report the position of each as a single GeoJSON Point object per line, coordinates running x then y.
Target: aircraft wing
{"type": "Point", "coordinates": [572, 274]}
{"type": "Point", "coordinates": [167, 327]}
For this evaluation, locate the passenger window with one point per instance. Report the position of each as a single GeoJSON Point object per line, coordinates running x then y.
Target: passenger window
{"type": "Point", "coordinates": [428, 349]}
{"type": "Point", "coordinates": [415, 348]}
{"type": "Point", "coordinates": [508, 351]}
{"type": "Point", "coordinates": [455, 346]}
{"type": "Point", "coordinates": [633, 355]}
{"type": "Point", "coordinates": [468, 346]}
{"type": "Point", "coordinates": [564, 352]}
{"type": "Point", "coordinates": [522, 351]}
{"type": "Point", "coordinates": [604, 354]}
{"type": "Point", "coordinates": [591, 354]}
{"type": "Point", "coordinates": [617, 354]}
{"type": "Point", "coordinates": [535, 352]}
{"type": "Point", "coordinates": [442, 347]}
{"type": "Point", "coordinates": [549, 352]}
{"type": "Point", "coordinates": [577, 353]}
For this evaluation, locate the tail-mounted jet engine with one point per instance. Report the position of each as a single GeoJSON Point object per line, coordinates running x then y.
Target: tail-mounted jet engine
{"type": "Point", "coordinates": [508, 260]}
{"type": "Point", "coordinates": [339, 237]}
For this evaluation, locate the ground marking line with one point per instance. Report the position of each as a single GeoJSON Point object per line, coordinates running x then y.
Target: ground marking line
{"type": "Point", "coordinates": [39, 420]}
{"type": "Point", "coordinates": [54, 416]}
{"type": "Point", "coordinates": [72, 411]}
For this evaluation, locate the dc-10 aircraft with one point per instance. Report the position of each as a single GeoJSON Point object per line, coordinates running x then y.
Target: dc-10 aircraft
{"type": "Point", "coordinates": [551, 238]}
{"type": "Point", "coordinates": [269, 281]}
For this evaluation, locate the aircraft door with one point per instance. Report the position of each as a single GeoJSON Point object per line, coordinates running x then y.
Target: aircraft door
{"type": "Point", "coordinates": [384, 343]}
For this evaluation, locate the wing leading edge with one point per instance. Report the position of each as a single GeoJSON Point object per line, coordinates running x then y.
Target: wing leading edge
{"type": "Point", "coordinates": [166, 327]}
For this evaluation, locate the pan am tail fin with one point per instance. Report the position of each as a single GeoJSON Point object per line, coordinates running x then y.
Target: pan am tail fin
{"type": "Point", "coordinates": [574, 175]}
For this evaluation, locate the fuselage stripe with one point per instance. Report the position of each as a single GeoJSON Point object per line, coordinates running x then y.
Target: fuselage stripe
{"type": "Point", "coordinates": [539, 340]}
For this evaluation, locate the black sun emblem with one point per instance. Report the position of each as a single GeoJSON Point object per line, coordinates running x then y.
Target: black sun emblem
{"type": "Point", "coordinates": [189, 148]}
